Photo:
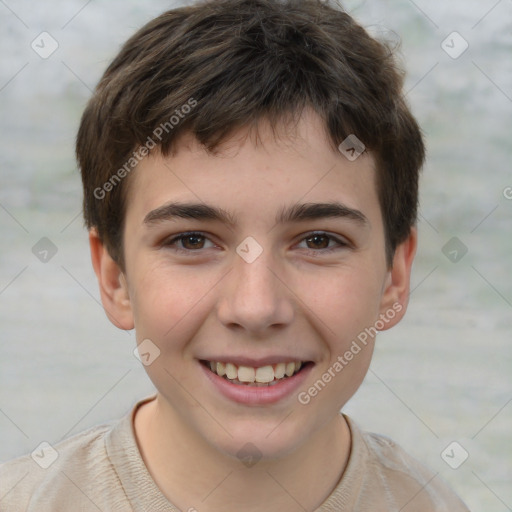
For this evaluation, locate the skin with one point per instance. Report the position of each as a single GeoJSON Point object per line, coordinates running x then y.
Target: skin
{"type": "Point", "coordinates": [295, 299]}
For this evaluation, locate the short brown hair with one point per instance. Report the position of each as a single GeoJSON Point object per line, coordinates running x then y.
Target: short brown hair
{"type": "Point", "coordinates": [232, 63]}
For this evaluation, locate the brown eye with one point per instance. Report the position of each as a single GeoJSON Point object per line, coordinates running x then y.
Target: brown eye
{"type": "Point", "coordinates": [318, 241]}
{"type": "Point", "coordinates": [321, 243]}
{"type": "Point", "coordinates": [188, 242]}
{"type": "Point", "coordinates": [193, 241]}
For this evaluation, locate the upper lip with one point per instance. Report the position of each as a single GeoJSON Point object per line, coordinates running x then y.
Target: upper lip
{"type": "Point", "coordinates": [255, 362]}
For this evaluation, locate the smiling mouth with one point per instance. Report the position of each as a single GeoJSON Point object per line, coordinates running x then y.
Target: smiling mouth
{"type": "Point", "coordinates": [268, 375]}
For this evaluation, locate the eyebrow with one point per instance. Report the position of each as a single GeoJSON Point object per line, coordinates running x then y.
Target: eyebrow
{"type": "Point", "coordinates": [299, 212]}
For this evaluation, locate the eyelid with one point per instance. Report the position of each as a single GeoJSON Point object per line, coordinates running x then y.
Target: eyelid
{"type": "Point", "coordinates": [174, 239]}
{"type": "Point", "coordinates": [340, 240]}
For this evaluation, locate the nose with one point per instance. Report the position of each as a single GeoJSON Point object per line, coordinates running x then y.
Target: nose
{"type": "Point", "coordinates": [254, 296]}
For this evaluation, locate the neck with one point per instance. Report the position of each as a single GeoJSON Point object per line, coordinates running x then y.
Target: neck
{"type": "Point", "coordinates": [199, 476]}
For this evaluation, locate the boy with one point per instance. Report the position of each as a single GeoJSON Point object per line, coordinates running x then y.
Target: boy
{"type": "Point", "coordinates": [250, 175]}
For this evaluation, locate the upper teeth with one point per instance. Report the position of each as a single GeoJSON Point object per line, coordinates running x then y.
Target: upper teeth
{"type": "Point", "coordinates": [248, 374]}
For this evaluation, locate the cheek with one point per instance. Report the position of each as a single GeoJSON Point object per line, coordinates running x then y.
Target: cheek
{"type": "Point", "coordinates": [345, 306]}
{"type": "Point", "coordinates": [168, 303]}
{"type": "Point", "coordinates": [169, 307]}
{"type": "Point", "coordinates": [346, 302]}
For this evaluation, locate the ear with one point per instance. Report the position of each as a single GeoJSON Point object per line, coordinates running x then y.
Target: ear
{"type": "Point", "coordinates": [395, 295]}
{"type": "Point", "coordinates": [112, 282]}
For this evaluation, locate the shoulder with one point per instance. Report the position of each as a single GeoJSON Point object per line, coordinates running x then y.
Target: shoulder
{"type": "Point", "coordinates": [408, 478]}
{"type": "Point", "coordinates": [71, 473]}
{"type": "Point", "coordinates": [380, 475]}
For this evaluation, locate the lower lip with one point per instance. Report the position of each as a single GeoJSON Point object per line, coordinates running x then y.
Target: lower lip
{"type": "Point", "coordinates": [257, 395]}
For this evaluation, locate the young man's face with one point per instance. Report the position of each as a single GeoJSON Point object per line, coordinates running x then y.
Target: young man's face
{"type": "Point", "coordinates": [262, 291]}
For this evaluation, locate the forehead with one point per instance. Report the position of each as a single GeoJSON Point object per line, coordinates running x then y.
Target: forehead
{"type": "Point", "coordinates": [256, 174]}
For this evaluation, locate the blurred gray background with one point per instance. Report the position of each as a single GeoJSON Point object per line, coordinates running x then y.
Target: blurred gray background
{"type": "Point", "coordinates": [441, 376]}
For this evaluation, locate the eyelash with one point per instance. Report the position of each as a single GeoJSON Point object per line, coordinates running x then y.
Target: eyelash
{"type": "Point", "coordinates": [173, 241]}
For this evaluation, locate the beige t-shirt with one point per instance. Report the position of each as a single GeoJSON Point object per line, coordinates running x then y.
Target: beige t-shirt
{"type": "Point", "coordinates": [102, 469]}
